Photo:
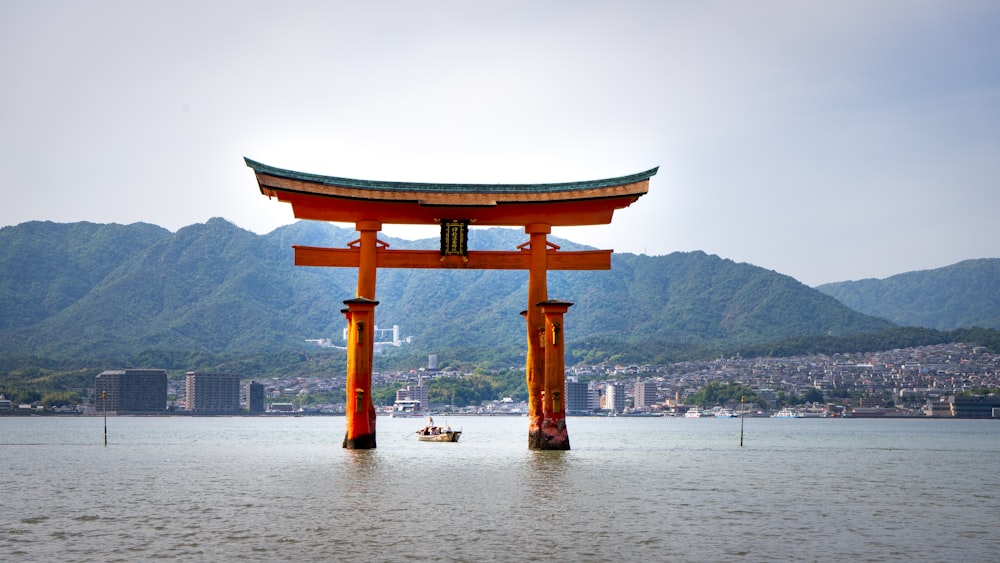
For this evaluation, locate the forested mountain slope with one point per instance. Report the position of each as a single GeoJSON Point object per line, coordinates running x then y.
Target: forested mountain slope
{"type": "Point", "coordinates": [108, 291]}
{"type": "Point", "coordinates": [965, 294]}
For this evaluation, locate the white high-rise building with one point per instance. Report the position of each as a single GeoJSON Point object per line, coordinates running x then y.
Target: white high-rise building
{"type": "Point", "coordinates": [614, 397]}
{"type": "Point", "coordinates": [416, 392]}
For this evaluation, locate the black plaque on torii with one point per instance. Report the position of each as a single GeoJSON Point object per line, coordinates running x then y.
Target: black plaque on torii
{"type": "Point", "coordinates": [454, 237]}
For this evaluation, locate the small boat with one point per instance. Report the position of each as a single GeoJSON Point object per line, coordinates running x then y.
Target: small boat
{"type": "Point", "coordinates": [431, 433]}
{"type": "Point", "coordinates": [786, 412]}
{"type": "Point", "coordinates": [443, 436]}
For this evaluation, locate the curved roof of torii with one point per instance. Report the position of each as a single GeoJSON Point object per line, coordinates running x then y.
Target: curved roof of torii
{"type": "Point", "coordinates": [347, 200]}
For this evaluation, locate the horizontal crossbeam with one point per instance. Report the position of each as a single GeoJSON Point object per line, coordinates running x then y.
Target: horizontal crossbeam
{"type": "Point", "coordinates": [432, 259]}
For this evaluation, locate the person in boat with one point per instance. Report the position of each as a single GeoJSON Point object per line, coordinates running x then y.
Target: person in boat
{"type": "Point", "coordinates": [430, 429]}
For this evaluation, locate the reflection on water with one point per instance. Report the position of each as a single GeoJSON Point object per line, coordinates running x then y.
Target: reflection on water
{"type": "Point", "coordinates": [361, 462]}
{"type": "Point", "coordinates": [360, 476]}
{"type": "Point", "coordinates": [545, 475]}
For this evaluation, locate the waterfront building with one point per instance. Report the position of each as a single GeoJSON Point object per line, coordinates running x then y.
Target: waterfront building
{"type": "Point", "coordinates": [593, 397]}
{"type": "Point", "coordinates": [938, 408]}
{"type": "Point", "coordinates": [614, 397]}
{"type": "Point", "coordinates": [645, 394]}
{"type": "Point", "coordinates": [213, 392]}
{"type": "Point", "coordinates": [868, 412]}
{"type": "Point", "coordinates": [871, 402]}
{"type": "Point", "coordinates": [767, 395]}
{"type": "Point", "coordinates": [131, 391]}
{"type": "Point", "coordinates": [255, 397]}
{"type": "Point", "coordinates": [416, 393]}
{"type": "Point", "coordinates": [577, 397]}
{"type": "Point", "coordinates": [975, 406]}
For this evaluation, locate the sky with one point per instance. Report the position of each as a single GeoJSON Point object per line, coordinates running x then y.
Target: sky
{"type": "Point", "coordinates": [828, 141]}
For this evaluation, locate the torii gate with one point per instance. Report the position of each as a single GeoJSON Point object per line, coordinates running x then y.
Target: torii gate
{"type": "Point", "coordinates": [536, 207]}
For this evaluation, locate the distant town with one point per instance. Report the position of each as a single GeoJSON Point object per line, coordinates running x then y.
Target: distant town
{"type": "Point", "coordinates": [947, 380]}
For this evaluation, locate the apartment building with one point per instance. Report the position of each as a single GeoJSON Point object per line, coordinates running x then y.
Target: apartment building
{"type": "Point", "coordinates": [209, 392]}
{"type": "Point", "coordinates": [131, 391]}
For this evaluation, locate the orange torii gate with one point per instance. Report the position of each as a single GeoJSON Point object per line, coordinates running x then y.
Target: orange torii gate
{"type": "Point", "coordinates": [536, 207]}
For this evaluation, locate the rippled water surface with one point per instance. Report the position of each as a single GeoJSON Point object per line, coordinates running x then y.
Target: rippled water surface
{"type": "Point", "coordinates": [266, 489]}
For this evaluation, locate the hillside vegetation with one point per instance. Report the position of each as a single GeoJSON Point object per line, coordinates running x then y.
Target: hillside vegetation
{"type": "Point", "coordinates": [965, 294]}
{"type": "Point", "coordinates": [110, 291]}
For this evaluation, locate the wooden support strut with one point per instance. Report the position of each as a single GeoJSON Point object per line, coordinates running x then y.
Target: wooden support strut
{"type": "Point", "coordinates": [432, 259]}
{"type": "Point", "coordinates": [367, 252]}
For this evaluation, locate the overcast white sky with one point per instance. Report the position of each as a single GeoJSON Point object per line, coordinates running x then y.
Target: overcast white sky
{"type": "Point", "coordinates": [824, 140]}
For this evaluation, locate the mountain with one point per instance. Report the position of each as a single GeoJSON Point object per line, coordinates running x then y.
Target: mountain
{"type": "Point", "coordinates": [965, 294]}
{"type": "Point", "coordinates": [110, 291]}
{"type": "Point", "coordinates": [46, 267]}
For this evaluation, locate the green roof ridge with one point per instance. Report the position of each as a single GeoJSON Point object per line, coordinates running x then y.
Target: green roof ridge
{"type": "Point", "coordinates": [448, 188]}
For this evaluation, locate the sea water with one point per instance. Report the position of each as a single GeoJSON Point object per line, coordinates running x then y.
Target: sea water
{"type": "Point", "coordinates": [653, 489]}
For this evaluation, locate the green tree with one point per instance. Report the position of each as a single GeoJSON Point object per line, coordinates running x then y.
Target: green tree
{"type": "Point", "coordinates": [715, 393]}
{"type": "Point", "coordinates": [780, 399]}
{"type": "Point", "coordinates": [60, 399]}
{"type": "Point", "coordinates": [386, 394]}
{"type": "Point", "coordinates": [813, 395]}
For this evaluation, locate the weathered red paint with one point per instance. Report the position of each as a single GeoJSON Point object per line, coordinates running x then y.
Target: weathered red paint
{"type": "Point", "coordinates": [553, 433]}
{"type": "Point", "coordinates": [360, 410]}
{"type": "Point", "coordinates": [535, 362]}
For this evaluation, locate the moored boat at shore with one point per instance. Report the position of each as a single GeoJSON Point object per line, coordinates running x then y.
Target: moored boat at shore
{"type": "Point", "coordinates": [406, 408]}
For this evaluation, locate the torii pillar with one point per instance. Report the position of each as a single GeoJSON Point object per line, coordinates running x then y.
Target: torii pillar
{"type": "Point", "coordinates": [537, 207]}
{"type": "Point", "coordinates": [535, 363]}
{"type": "Point", "coordinates": [544, 366]}
{"type": "Point", "coordinates": [553, 434]}
{"type": "Point", "coordinates": [359, 408]}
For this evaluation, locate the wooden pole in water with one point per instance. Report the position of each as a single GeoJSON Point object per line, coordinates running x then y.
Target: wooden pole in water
{"type": "Point", "coordinates": [742, 416]}
{"type": "Point", "coordinates": [104, 395]}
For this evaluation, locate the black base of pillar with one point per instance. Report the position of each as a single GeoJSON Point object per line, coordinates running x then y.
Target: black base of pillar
{"type": "Point", "coordinates": [543, 441]}
{"type": "Point", "coordinates": [534, 440]}
{"type": "Point", "coordinates": [365, 442]}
